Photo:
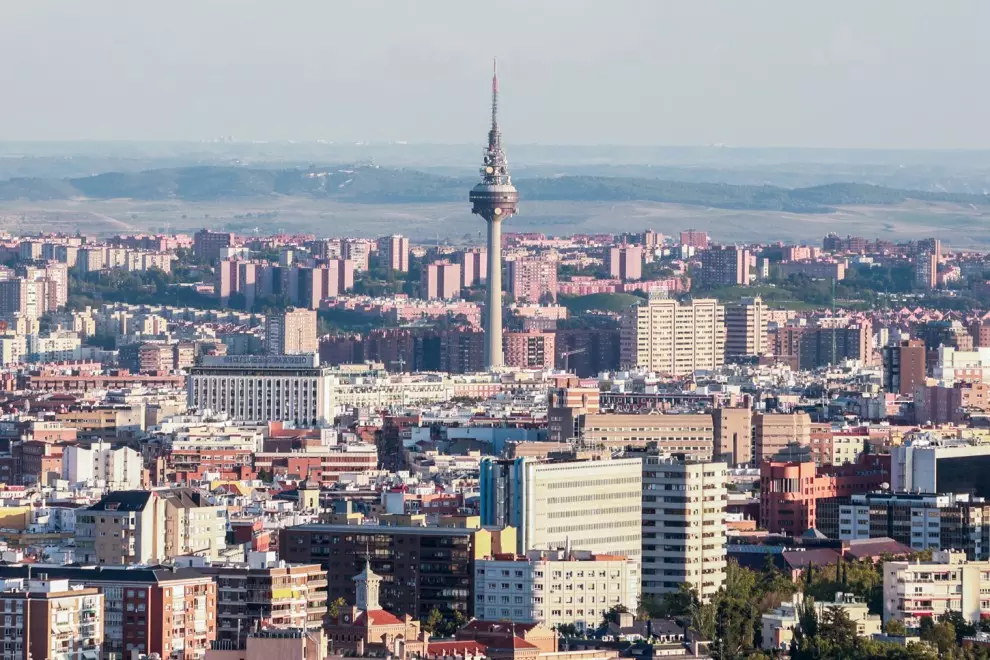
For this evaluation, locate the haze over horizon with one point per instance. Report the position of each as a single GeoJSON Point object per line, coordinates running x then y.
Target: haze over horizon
{"type": "Point", "coordinates": [883, 75]}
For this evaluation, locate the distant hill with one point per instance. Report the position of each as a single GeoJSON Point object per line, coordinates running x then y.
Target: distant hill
{"type": "Point", "coordinates": [369, 184]}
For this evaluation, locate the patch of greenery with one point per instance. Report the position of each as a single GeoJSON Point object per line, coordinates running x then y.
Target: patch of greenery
{"type": "Point", "coordinates": [600, 302]}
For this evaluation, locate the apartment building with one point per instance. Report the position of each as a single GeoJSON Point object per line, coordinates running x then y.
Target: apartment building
{"type": "Point", "coordinates": [746, 328]}
{"type": "Point", "coordinates": [530, 349]}
{"type": "Point", "coordinates": [733, 435]}
{"type": "Point", "coordinates": [212, 245]}
{"type": "Point", "coordinates": [532, 279]}
{"type": "Point", "coordinates": [128, 527]}
{"type": "Point", "coordinates": [593, 505]}
{"type": "Point", "coordinates": [904, 366]}
{"type": "Point", "coordinates": [672, 339]}
{"type": "Point", "coordinates": [773, 432]}
{"type": "Point", "coordinates": [947, 583]}
{"type": "Point", "coordinates": [171, 612]}
{"type": "Point", "coordinates": [394, 252]}
{"type": "Point", "coordinates": [440, 280]}
{"type": "Point", "coordinates": [690, 435]}
{"type": "Point", "coordinates": [47, 619]}
{"type": "Point", "coordinates": [474, 266]}
{"type": "Point", "coordinates": [265, 589]}
{"type": "Point", "coordinates": [554, 587]}
{"type": "Point", "coordinates": [684, 532]}
{"type": "Point", "coordinates": [625, 262]}
{"type": "Point", "coordinates": [725, 265]}
{"type": "Point", "coordinates": [291, 332]}
{"type": "Point", "coordinates": [193, 526]}
{"type": "Point", "coordinates": [357, 250]}
{"type": "Point", "coordinates": [422, 567]}
{"type": "Point", "coordinates": [117, 469]}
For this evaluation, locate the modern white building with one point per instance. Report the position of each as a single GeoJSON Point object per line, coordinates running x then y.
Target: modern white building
{"type": "Point", "coordinates": [950, 520]}
{"type": "Point", "coordinates": [555, 587]}
{"type": "Point", "coordinates": [291, 388]}
{"type": "Point", "coordinates": [962, 366]}
{"type": "Point", "coordinates": [934, 466]}
{"type": "Point", "coordinates": [684, 532]}
{"type": "Point", "coordinates": [593, 505]}
{"type": "Point", "coordinates": [946, 584]}
{"type": "Point", "coordinates": [55, 347]}
{"type": "Point", "coordinates": [117, 469]}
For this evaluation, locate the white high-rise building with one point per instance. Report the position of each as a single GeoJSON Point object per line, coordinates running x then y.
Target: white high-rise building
{"type": "Point", "coordinates": [555, 587]}
{"type": "Point", "coordinates": [118, 469]}
{"type": "Point", "coordinates": [588, 505]}
{"type": "Point", "coordinates": [683, 526]}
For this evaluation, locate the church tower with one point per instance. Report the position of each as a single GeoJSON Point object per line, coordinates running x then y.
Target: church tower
{"type": "Point", "coordinates": [368, 585]}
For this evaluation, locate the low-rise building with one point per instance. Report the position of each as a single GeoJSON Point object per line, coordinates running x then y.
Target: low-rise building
{"type": "Point", "coordinates": [554, 587]}
{"type": "Point", "coordinates": [947, 583]}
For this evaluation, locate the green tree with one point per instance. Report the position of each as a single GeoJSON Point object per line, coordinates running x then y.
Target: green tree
{"type": "Point", "coordinates": [680, 602]}
{"type": "Point", "coordinates": [336, 607]}
{"type": "Point", "coordinates": [943, 636]}
{"type": "Point", "coordinates": [925, 628]}
{"type": "Point", "coordinates": [959, 623]}
{"type": "Point", "coordinates": [612, 614]}
{"type": "Point", "coordinates": [895, 628]}
{"type": "Point", "coordinates": [837, 628]}
{"type": "Point", "coordinates": [434, 622]}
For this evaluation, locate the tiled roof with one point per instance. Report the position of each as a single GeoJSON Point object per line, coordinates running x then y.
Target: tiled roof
{"type": "Point", "coordinates": [459, 648]}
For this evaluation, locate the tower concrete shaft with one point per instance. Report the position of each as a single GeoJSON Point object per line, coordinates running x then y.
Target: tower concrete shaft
{"type": "Point", "coordinates": [494, 355]}
{"type": "Point", "coordinates": [495, 199]}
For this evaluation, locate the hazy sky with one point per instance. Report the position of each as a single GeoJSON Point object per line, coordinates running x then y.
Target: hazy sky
{"type": "Point", "coordinates": [850, 73]}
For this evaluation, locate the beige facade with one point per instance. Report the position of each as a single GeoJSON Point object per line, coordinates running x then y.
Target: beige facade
{"type": "Point", "coordinates": [124, 528]}
{"type": "Point", "coordinates": [684, 533]}
{"type": "Point", "coordinates": [193, 526]}
{"type": "Point", "coordinates": [948, 583]}
{"type": "Point", "coordinates": [773, 432]}
{"type": "Point", "coordinates": [280, 643]}
{"type": "Point", "coordinates": [733, 435]}
{"type": "Point", "coordinates": [291, 332]}
{"type": "Point", "coordinates": [672, 339]}
{"type": "Point", "coordinates": [145, 527]}
{"type": "Point", "coordinates": [691, 435]}
{"type": "Point", "coordinates": [746, 328]}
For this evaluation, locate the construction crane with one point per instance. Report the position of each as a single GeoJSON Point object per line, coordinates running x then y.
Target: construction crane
{"type": "Point", "coordinates": [401, 362]}
{"type": "Point", "coordinates": [568, 354]}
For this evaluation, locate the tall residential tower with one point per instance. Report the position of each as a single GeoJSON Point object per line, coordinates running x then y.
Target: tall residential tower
{"type": "Point", "coordinates": [494, 199]}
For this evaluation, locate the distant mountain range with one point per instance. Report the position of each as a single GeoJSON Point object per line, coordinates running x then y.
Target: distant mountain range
{"type": "Point", "coordinates": [376, 185]}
